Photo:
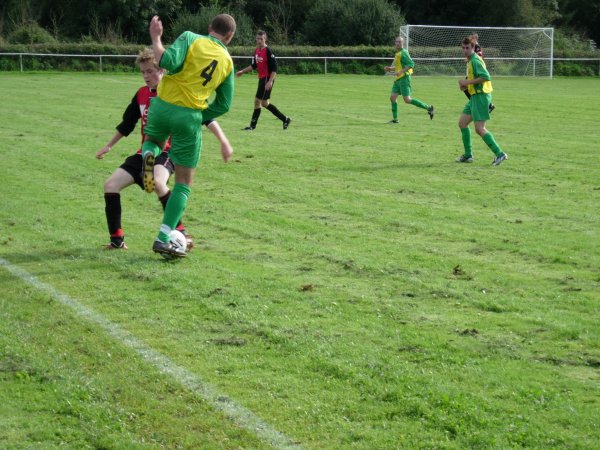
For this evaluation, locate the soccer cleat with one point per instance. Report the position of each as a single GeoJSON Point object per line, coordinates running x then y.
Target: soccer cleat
{"type": "Point", "coordinates": [464, 159]}
{"type": "Point", "coordinates": [168, 250]}
{"type": "Point", "coordinates": [286, 123]}
{"type": "Point", "coordinates": [114, 246]}
{"type": "Point", "coordinates": [491, 107]}
{"type": "Point", "coordinates": [498, 159]}
{"type": "Point", "coordinates": [248, 129]}
{"type": "Point", "coordinates": [148, 172]}
{"type": "Point", "coordinates": [431, 112]}
{"type": "Point", "coordinates": [393, 121]}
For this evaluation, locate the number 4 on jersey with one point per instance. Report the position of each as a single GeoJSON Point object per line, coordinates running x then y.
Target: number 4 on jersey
{"type": "Point", "coordinates": [207, 72]}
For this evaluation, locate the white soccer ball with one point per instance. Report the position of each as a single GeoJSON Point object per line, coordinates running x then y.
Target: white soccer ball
{"type": "Point", "coordinates": [177, 238]}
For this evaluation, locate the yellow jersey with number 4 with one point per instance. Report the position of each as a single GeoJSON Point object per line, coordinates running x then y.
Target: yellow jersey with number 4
{"type": "Point", "coordinates": [197, 65]}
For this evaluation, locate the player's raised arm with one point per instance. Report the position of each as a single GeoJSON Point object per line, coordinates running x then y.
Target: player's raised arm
{"type": "Point", "coordinates": [156, 31]}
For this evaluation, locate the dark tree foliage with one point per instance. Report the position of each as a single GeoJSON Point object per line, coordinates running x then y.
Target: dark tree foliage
{"type": "Point", "coordinates": [481, 12]}
{"type": "Point", "coordinates": [352, 22]}
{"type": "Point", "coordinates": [581, 16]}
{"type": "Point", "coordinates": [321, 22]}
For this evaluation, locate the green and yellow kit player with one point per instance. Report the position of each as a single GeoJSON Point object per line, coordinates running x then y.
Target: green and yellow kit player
{"type": "Point", "coordinates": [403, 69]}
{"type": "Point", "coordinates": [479, 84]}
{"type": "Point", "coordinates": [197, 66]}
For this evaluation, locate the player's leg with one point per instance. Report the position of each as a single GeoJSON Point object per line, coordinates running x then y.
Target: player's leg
{"type": "Point", "coordinates": [119, 180]}
{"type": "Point", "coordinates": [416, 102]}
{"type": "Point", "coordinates": [273, 109]}
{"type": "Point", "coordinates": [163, 169]}
{"type": "Point", "coordinates": [463, 123]}
{"type": "Point", "coordinates": [490, 141]}
{"type": "Point", "coordinates": [394, 101]}
{"type": "Point", "coordinates": [255, 115]}
{"type": "Point", "coordinates": [260, 92]}
{"type": "Point", "coordinates": [174, 209]}
{"type": "Point", "coordinates": [480, 104]}
{"type": "Point", "coordinates": [406, 90]}
{"type": "Point", "coordinates": [185, 153]}
{"type": "Point", "coordinates": [156, 134]}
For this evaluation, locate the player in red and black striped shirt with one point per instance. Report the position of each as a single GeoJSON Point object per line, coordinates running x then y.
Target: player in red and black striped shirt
{"type": "Point", "coordinates": [130, 172]}
{"type": "Point", "coordinates": [265, 63]}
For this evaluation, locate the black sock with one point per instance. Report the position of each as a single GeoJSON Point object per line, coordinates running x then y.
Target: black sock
{"type": "Point", "coordinates": [112, 208]}
{"type": "Point", "coordinates": [255, 116]}
{"type": "Point", "coordinates": [276, 112]}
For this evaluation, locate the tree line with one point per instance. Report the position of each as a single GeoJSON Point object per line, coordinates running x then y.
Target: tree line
{"type": "Point", "coordinates": [288, 22]}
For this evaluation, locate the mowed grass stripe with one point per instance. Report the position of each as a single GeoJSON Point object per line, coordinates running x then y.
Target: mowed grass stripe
{"type": "Point", "coordinates": [241, 416]}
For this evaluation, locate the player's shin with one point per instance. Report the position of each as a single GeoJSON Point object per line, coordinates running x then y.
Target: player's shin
{"type": "Point", "coordinates": [491, 143]}
{"type": "Point", "coordinates": [466, 139]}
{"type": "Point", "coordinates": [174, 210]}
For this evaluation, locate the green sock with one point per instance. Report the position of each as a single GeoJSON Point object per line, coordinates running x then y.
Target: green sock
{"type": "Point", "coordinates": [491, 143]}
{"type": "Point", "coordinates": [466, 138]}
{"type": "Point", "coordinates": [174, 210]}
{"type": "Point", "coordinates": [395, 110]}
{"type": "Point", "coordinates": [419, 103]}
{"type": "Point", "coordinates": [149, 146]}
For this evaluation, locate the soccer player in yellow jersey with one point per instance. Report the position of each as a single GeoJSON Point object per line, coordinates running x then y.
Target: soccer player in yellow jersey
{"type": "Point", "coordinates": [403, 69]}
{"type": "Point", "coordinates": [479, 85]}
{"type": "Point", "coordinates": [197, 66]}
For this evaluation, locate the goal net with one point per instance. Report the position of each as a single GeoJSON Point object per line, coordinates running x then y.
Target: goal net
{"type": "Point", "coordinates": [507, 51]}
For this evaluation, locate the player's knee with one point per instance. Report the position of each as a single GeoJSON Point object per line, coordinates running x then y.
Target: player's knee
{"type": "Point", "coordinates": [407, 99]}
{"type": "Point", "coordinates": [264, 103]}
{"type": "Point", "coordinates": [112, 187]}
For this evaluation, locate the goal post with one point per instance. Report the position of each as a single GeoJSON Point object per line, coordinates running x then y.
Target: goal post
{"type": "Point", "coordinates": [508, 51]}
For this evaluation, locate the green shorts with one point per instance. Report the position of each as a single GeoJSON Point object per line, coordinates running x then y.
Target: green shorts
{"type": "Point", "coordinates": [478, 107]}
{"type": "Point", "coordinates": [184, 125]}
{"type": "Point", "coordinates": [402, 86]}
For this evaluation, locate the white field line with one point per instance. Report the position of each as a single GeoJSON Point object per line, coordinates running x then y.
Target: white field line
{"type": "Point", "coordinates": [241, 416]}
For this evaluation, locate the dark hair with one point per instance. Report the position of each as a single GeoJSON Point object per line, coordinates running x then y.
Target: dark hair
{"type": "Point", "coordinates": [261, 33]}
{"type": "Point", "coordinates": [223, 24]}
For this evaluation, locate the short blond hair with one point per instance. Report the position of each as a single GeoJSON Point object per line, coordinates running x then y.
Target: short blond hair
{"type": "Point", "coordinates": [146, 56]}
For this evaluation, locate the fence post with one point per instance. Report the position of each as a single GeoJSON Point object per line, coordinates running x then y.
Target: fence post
{"type": "Point", "coordinates": [100, 63]}
{"type": "Point", "coordinates": [326, 66]}
{"type": "Point", "coordinates": [21, 61]}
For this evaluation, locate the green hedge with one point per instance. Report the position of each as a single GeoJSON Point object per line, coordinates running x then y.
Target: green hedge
{"type": "Point", "coordinates": [243, 55]}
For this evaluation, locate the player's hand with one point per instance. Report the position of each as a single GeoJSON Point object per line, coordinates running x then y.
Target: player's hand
{"type": "Point", "coordinates": [239, 73]}
{"type": "Point", "coordinates": [462, 84]}
{"type": "Point", "coordinates": [103, 151]}
{"type": "Point", "coordinates": [269, 85]}
{"type": "Point", "coordinates": [156, 27]}
{"type": "Point", "coordinates": [226, 151]}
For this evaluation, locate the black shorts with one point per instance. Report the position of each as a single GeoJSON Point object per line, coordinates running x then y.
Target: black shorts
{"type": "Point", "coordinates": [133, 166]}
{"type": "Point", "coordinates": [261, 93]}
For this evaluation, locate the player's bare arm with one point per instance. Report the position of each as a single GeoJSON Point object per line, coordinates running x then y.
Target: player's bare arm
{"type": "Point", "coordinates": [156, 31]}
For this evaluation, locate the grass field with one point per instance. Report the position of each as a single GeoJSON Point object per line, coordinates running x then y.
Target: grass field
{"type": "Point", "coordinates": [352, 286]}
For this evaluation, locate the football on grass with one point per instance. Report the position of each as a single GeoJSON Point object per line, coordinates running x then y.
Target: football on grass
{"type": "Point", "coordinates": [178, 239]}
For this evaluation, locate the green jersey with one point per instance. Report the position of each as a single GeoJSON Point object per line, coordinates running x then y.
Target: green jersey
{"type": "Point", "coordinates": [401, 61]}
{"type": "Point", "coordinates": [476, 69]}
